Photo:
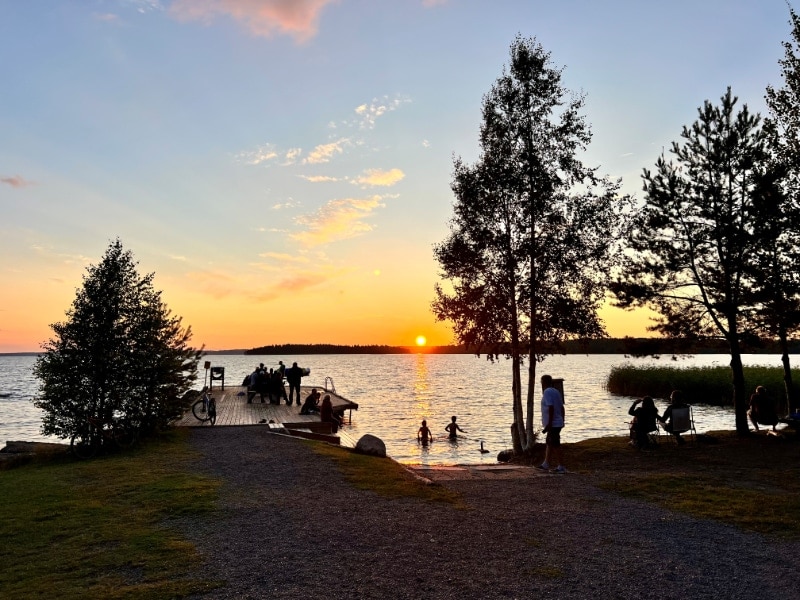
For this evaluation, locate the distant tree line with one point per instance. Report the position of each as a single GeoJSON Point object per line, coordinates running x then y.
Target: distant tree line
{"type": "Point", "coordinates": [628, 346]}
{"type": "Point", "coordinates": [300, 349]}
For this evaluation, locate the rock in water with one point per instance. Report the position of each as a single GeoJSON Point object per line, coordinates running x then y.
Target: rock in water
{"type": "Point", "coordinates": [371, 445]}
{"type": "Point", "coordinates": [504, 455]}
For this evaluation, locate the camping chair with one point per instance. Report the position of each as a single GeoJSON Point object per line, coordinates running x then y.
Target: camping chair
{"type": "Point", "coordinates": [652, 436]}
{"type": "Point", "coordinates": [683, 422]}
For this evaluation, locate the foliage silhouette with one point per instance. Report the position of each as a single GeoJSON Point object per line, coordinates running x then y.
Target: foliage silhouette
{"type": "Point", "coordinates": [119, 354]}
{"type": "Point", "coordinates": [532, 237]}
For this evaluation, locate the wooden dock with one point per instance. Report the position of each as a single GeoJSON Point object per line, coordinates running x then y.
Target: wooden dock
{"type": "Point", "coordinates": [234, 410]}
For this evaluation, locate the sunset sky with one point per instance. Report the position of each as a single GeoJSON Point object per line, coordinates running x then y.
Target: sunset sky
{"type": "Point", "coordinates": [284, 166]}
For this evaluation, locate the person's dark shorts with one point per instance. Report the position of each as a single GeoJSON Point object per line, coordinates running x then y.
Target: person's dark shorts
{"type": "Point", "coordinates": [553, 436]}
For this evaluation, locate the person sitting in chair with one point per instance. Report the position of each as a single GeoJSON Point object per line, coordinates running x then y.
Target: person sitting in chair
{"type": "Point", "coordinates": [675, 401]}
{"type": "Point", "coordinates": [762, 409]}
{"type": "Point", "coordinates": [644, 421]}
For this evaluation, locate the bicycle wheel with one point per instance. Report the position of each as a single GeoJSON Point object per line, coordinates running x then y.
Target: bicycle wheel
{"type": "Point", "coordinates": [212, 412]}
{"type": "Point", "coordinates": [82, 446]}
{"type": "Point", "coordinates": [124, 437]}
{"type": "Point", "coordinates": [199, 410]}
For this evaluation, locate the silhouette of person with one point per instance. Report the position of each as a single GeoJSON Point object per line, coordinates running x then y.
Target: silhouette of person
{"type": "Point", "coordinates": [452, 429]}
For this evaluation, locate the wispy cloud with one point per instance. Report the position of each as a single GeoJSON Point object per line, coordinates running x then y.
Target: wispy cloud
{"type": "Point", "coordinates": [292, 155]}
{"type": "Point", "coordinates": [144, 6]}
{"type": "Point", "coordinates": [320, 178]}
{"type": "Point", "coordinates": [293, 284]}
{"type": "Point", "coordinates": [369, 113]}
{"type": "Point", "coordinates": [290, 203]}
{"type": "Point", "coordinates": [60, 258]}
{"type": "Point", "coordinates": [216, 283]}
{"type": "Point", "coordinates": [296, 18]}
{"type": "Point", "coordinates": [285, 258]}
{"type": "Point", "coordinates": [106, 17]}
{"type": "Point", "coordinates": [16, 181]}
{"type": "Point", "coordinates": [324, 152]}
{"type": "Point", "coordinates": [260, 155]}
{"type": "Point", "coordinates": [379, 178]}
{"type": "Point", "coordinates": [337, 220]}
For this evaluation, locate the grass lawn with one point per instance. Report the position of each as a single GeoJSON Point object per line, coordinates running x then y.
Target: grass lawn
{"type": "Point", "coordinates": [752, 482]}
{"type": "Point", "coordinates": [96, 528]}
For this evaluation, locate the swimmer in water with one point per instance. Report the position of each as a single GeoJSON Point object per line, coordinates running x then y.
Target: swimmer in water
{"type": "Point", "coordinates": [424, 434]}
{"type": "Point", "coordinates": [452, 429]}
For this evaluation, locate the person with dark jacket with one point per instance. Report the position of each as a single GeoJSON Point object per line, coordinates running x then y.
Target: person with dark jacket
{"type": "Point", "coordinates": [311, 405]}
{"type": "Point", "coordinates": [293, 377]}
{"type": "Point", "coordinates": [644, 421]}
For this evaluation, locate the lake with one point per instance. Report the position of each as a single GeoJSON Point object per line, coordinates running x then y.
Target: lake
{"type": "Point", "coordinates": [395, 392]}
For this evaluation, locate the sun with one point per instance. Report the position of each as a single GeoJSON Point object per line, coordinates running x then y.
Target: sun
{"type": "Point", "coordinates": [421, 341]}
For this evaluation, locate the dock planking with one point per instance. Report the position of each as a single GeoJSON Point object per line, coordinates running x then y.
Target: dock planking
{"type": "Point", "coordinates": [234, 410]}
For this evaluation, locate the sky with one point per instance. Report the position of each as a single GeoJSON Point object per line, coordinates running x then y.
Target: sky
{"type": "Point", "coordinates": [284, 166]}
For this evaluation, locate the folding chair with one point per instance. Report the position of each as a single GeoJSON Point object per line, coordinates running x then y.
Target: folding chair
{"type": "Point", "coordinates": [683, 422]}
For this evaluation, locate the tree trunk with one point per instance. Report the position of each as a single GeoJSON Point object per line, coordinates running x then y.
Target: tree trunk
{"type": "Point", "coordinates": [530, 438]}
{"type": "Point", "coordinates": [787, 373]}
{"type": "Point", "coordinates": [739, 389]}
{"type": "Point", "coordinates": [519, 424]}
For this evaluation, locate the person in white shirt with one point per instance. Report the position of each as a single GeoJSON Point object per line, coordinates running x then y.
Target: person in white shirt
{"type": "Point", "coordinates": [553, 423]}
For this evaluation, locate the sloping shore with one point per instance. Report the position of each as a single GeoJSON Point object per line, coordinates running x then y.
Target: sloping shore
{"type": "Point", "coordinates": [291, 526]}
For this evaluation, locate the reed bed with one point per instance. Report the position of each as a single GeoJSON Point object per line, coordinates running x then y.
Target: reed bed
{"type": "Point", "coordinates": [701, 385]}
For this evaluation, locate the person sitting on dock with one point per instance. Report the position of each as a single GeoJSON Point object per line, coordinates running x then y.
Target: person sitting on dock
{"type": "Point", "coordinates": [311, 404]}
{"type": "Point", "coordinates": [762, 409]}
{"type": "Point", "coordinates": [452, 428]}
{"type": "Point", "coordinates": [424, 434]}
{"type": "Point", "coordinates": [326, 414]}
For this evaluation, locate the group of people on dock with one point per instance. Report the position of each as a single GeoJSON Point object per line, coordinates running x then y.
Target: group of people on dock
{"type": "Point", "coordinates": [269, 383]}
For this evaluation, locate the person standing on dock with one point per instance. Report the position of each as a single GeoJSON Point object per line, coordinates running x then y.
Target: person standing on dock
{"type": "Point", "coordinates": [553, 423]}
{"type": "Point", "coordinates": [293, 376]}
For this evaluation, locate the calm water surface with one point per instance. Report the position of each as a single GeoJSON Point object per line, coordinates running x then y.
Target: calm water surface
{"type": "Point", "coordinates": [395, 392]}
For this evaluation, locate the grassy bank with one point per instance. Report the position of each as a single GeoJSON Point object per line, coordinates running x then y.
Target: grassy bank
{"type": "Point", "coordinates": [706, 385]}
{"type": "Point", "coordinates": [752, 482]}
{"type": "Point", "coordinates": [95, 529]}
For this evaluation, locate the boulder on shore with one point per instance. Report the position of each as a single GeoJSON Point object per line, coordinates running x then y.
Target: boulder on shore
{"type": "Point", "coordinates": [371, 445]}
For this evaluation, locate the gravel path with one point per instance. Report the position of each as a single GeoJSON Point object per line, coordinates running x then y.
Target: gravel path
{"type": "Point", "coordinates": [291, 527]}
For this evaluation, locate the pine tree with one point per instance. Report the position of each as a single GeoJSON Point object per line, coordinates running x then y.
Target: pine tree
{"type": "Point", "coordinates": [119, 354]}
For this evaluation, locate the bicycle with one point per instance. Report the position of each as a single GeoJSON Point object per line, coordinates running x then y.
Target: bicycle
{"type": "Point", "coordinates": [101, 433]}
{"type": "Point", "coordinates": [205, 409]}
